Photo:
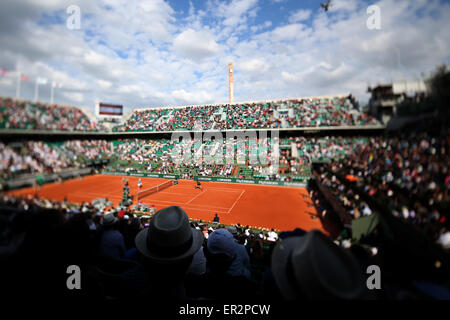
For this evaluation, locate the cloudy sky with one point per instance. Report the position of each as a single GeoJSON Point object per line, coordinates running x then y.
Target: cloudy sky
{"type": "Point", "coordinates": [149, 53]}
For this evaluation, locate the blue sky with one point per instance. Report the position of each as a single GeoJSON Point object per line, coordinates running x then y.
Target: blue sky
{"type": "Point", "coordinates": [153, 53]}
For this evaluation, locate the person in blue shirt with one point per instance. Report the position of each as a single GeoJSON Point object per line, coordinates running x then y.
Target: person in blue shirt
{"type": "Point", "coordinates": [225, 256]}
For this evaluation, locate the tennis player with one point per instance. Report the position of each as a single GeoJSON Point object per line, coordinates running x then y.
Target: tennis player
{"type": "Point", "coordinates": [198, 185]}
{"type": "Point", "coordinates": [139, 183]}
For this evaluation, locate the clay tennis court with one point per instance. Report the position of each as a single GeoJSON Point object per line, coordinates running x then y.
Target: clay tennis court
{"type": "Point", "coordinates": [279, 207]}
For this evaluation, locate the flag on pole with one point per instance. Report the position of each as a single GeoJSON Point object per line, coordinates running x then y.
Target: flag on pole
{"type": "Point", "coordinates": [24, 77]}
{"type": "Point", "coordinates": [40, 80]}
{"type": "Point", "coordinates": [56, 84]}
{"type": "Point", "coordinates": [52, 89]}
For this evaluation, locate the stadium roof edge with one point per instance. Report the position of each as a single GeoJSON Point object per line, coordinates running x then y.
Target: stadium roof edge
{"type": "Point", "coordinates": [109, 133]}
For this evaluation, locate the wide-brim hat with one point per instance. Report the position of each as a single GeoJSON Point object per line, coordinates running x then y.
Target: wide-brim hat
{"type": "Point", "coordinates": [313, 266]}
{"type": "Point", "coordinates": [109, 219]}
{"type": "Point", "coordinates": [232, 230]}
{"type": "Point", "coordinates": [169, 237]}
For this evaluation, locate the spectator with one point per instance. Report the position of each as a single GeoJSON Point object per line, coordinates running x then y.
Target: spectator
{"type": "Point", "coordinates": [312, 267]}
{"type": "Point", "coordinates": [224, 268]}
{"type": "Point", "coordinates": [167, 247]}
{"type": "Point", "coordinates": [225, 255]}
{"type": "Point", "coordinates": [198, 265]}
{"type": "Point", "coordinates": [444, 239]}
{"type": "Point", "coordinates": [233, 231]}
{"type": "Point", "coordinates": [272, 235]}
{"type": "Point", "coordinates": [112, 244]}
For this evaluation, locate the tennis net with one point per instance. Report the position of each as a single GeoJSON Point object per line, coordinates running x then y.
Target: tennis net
{"type": "Point", "coordinates": [152, 190]}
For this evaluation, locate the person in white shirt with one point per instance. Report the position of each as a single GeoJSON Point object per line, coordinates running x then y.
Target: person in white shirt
{"type": "Point", "coordinates": [366, 210]}
{"type": "Point", "coordinates": [444, 240]}
{"type": "Point", "coordinates": [272, 235]}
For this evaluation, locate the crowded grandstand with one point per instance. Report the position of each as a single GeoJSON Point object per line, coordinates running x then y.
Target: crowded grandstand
{"type": "Point", "coordinates": [139, 172]}
{"type": "Point", "coordinates": [357, 179]}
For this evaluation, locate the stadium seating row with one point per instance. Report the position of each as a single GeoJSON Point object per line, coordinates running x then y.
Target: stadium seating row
{"type": "Point", "coordinates": [311, 112]}
{"type": "Point", "coordinates": [406, 177]}
{"type": "Point", "coordinates": [15, 114]}
{"type": "Point", "coordinates": [37, 157]}
{"type": "Point", "coordinates": [294, 163]}
{"type": "Point", "coordinates": [157, 156]}
{"type": "Point", "coordinates": [314, 112]}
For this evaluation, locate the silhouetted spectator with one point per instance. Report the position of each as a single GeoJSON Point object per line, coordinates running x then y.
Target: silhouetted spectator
{"type": "Point", "coordinates": [313, 267]}
{"type": "Point", "coordinates": [167, 247]}
{"type": "Point", "coordinates": [112, 244]}
{"type": "Point", "coordinates": [222, 247]}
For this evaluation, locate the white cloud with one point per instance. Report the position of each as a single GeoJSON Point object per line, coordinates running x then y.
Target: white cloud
{"type": "Point", "coordinates": [129, 89]}
{"type": "Point", "coordinates": [195, 45]}
{"type": "Point", "coordinates": [300, 15]}
{"type": "Point", "coordinates": [289, 77]}
{"type": "Point", "coordinates": [6, 81]}
{"type": "Point", "coordinates": [235, 12]}
{"type": "Point", "coordinates": [104, 84]}
{"type": "Point", "coordinates": [183, 97]}
{"type": "Point", "coordinates": [253, 65]}
{"type": "Point", "coordinates": [74, 96]}
{"type": "Point", "coordinates": [137, 54]}
{"type": "Point", "coordinates": [343, 5]}
{"type": "Point", "coordinates": [259, 27]}
{"type": "Point", "coordinates": [288, 32]}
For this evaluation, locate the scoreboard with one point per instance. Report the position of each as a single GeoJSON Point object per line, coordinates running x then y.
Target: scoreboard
{"type": "Point", "coordinates": [106, 109]}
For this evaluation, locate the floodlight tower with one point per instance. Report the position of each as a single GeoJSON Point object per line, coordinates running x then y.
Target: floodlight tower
{"type": "Point", "coordinates": [230, 82]}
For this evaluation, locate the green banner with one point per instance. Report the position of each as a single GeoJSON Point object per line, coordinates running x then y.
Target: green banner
{"type": "Point", "coordinates": [213, 179]}
{"type": "Point", "coordinates": [142, 175]}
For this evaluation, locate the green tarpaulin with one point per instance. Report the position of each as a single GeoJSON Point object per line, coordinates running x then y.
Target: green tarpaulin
{"type": "Point", "coordinates": [364, 226]}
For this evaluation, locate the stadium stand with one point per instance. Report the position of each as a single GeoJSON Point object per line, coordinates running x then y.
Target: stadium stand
{"type": "Point", "coordinates": [158, 156]}
{"type": "Point", "coordinates": [401, 178]}
{"type": "Point", "coordinates": [38, 157]}
{"type": "Point", "coordinates": [295, 157]}
{"type": "Point", "coordinates": [409, 175]}
{"type": "Point", "coordinates": [21, 114]}
{"type": "Point", "coordinates": [382, 198]}
{"type": "Point", "coordinates": [294, 113]}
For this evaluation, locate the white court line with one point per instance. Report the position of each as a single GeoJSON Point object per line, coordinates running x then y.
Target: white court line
{"type": "Point", "coordinates": [184, 187]}
{"type": "Point", "coordinates": [243, 191]}
{"type": "Point", "coordinates": [223, 189]}
{"type": "Point", "coordinates": [179, 186]}
{"type": "Point", "coordinates": [212, 188]}
{"type": "Point", "coordinates": [193, 208]}
{"type": "Point", "coordinates": [183, 203]}
{"type": "Point", "coordinates": [101, 195]}
{"type": "Point", "coordinates": [195, 197]}
{"type": "Point", "coordinates": [207, 207]}
{"type": "Point", "coordinates": [168, 192]}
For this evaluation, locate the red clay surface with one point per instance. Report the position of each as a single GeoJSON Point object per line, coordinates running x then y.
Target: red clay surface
{"type": "Point", "coordinates": [282, 208]}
